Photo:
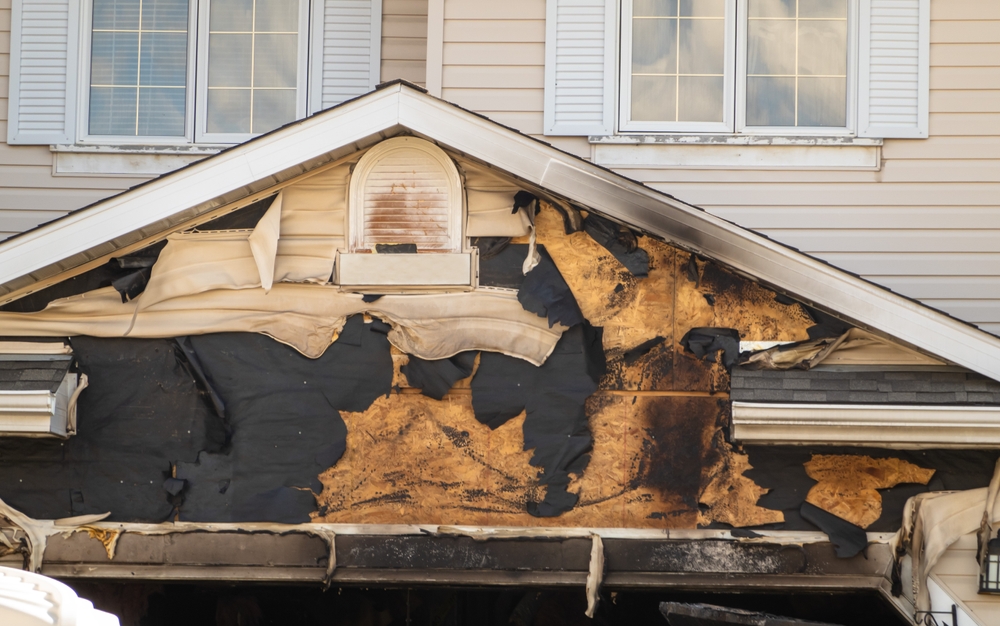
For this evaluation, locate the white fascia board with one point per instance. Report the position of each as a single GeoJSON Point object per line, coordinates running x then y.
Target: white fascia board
{"type": "Point", "coordinates": [782, 267]}
{"type": "Point", "coordinates": [884, 426]}
{"type": "Point", "coordinates": [162, 198]}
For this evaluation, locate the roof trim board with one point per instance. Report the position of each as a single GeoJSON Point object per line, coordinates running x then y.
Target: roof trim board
{"type": "Point", "coordinates": [270, 158]}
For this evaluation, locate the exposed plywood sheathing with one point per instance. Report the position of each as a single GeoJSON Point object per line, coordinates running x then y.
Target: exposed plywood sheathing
{"type": "Point", "coordinates": [848, 484]}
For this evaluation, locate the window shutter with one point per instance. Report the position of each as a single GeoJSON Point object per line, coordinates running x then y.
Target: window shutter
{"type": "Point", "coordinates": [44, 50]}
{"type": "Point", "coordinates": [894, 68]}
{"type": "Point", "coordinates": [581, 39]}
{"type": "Point", "coordinates": [347, 42]}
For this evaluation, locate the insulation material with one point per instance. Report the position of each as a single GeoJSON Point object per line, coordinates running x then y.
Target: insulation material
{"type": "Point", "coordinates": [847, 484]}
{"type": "Point", "coordinates": [490, 202]}
{"type": "Point", "coordinates": [308, 318]}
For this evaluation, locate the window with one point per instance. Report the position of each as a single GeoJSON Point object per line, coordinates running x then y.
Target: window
{"type": "Point", "coordinates": [144, 83]}
{"type": "Point", "coordinates": [772, 66]}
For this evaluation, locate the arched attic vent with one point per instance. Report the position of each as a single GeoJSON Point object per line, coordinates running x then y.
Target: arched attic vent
{"type": "Point", "coordinates": [406, 191]}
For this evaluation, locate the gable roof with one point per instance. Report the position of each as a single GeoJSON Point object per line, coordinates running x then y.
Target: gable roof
{"type": "Point", "coordinates": [90, 235]}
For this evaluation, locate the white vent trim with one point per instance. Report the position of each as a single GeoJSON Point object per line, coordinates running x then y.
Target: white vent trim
{"type": "Point", "coordinates": [433, 158]}
{"type": "Point", "coordinates": [346, 51]}
{"type": "Point", "coordinates": [581, 55]}
{"type": "Point", "coordinates": [894, 68]}
{"type": "Point", "coordinates": [879, 425]}
{"type": "Point", "coordinates": [44, 54]}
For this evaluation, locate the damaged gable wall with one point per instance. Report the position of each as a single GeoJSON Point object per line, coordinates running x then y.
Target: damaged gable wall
{"type": "Point", "coordinates": [568, 395]}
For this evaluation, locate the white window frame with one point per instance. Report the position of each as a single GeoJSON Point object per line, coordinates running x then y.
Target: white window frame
{"type": "Point", "coordinates": [625, 122]}
{"type": "Point", "coordinates": [851, 117]}
{"type": "Point", "coordinates": [83, 113]}
{"type": "Point", "coordinates": [201, 87]}
{"type": "Point", "coordinates": [196, 98]}
{"type": "Point", "coordinates": [735, 88]}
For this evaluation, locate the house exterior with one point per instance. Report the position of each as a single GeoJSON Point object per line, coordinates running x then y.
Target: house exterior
{"type": "Point", "coordinates": [574, 306]}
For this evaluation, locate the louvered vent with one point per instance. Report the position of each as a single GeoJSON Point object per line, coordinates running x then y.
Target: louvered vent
{"type": "Point", "coordinates": [406, 191]}
{"type": "Point", "coordinates": [350, 45]}
{"type": "Point", "coordinates": [406, 201]}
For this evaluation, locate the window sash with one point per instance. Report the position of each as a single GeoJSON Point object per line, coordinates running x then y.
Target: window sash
{"type": "Point", "coordinates": [625, 82]}
{"type": "Point", "coordinates": [735, 88]}
{"type": "Point", "coordinates": [202, 134]}
{"type": "Point", "coordinates": [86, 66]}
{"type": "Point", "coordinates": [851, 88]}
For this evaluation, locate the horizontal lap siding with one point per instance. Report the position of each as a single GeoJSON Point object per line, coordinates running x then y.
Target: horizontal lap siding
{"type": "Point", "coordinates": [926, 225]}
{"type": "Point", "coordinates": [494, 63]}
{"type": "Point", "coordinates": [404, 40]}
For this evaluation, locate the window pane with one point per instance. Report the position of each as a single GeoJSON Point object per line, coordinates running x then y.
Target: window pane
{"type": "Point", "coordinates": [229, 60]}
{"type": "Point", "coordinates": [663, 8]}
{"type": "Point", "coordinates": [161, 112]}
{"type": "Point", "coordinates": [822, 101]}
{"type": "Point", "coordinates": [275, 60]}
{"type": "Point", "coordinates": [770, 101]}
{"type": "Point", "coordinates": [703, 8]}
{"type": "Point", "coordinates": [701, 99]}
{"type": "Point", "coordinates": [654, 46]}
{"type": "Point", "coordinates": [702, 46]}
{"type": "Point", "coordinates": [823, 47]}
{"type": "Point", "coordinates": [771, 47]}
{"type": "Point", "coordinates": [272, 108]}
{"type": "Point", "coordinates": [116, 15]}
{"type": "Point", "coordinates": [112, 110]}
{"type": "Point", "coordinates": [654, 98]}
{"type": "Point", "coordinates": [823, 8]}
{"type": "Point", "coordinates": [165, 15]}
{"type": "Point", "coordinates": [280, 16]}
{"type": "Point", "coordinates": [772, 8]}
{"type": "Point", "coordinates": [231, 16]}
{"type": "Point", "coordinates": [114, 58]}
{"type": "Point", "coordinates": [164, 59]}
{"type": "Point", "coordinates": [228, 111]}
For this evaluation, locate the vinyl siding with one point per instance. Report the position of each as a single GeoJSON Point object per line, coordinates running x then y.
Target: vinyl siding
{"type": "Point", "coordinates": [957, 572]}
{"type": "Point", "coordinates": [404, 40]}
{"type": "Point", "coordinates": [926, 224]}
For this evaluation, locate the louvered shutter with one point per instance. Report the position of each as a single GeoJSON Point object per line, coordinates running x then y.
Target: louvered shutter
{"type": "Point", "coordinates": [580, 56]}
{"type": "Point", "coordinates": [894, 68]}
{"type": "Point", "coordinates": [44, 50]}
{"type": "Point", "coordinates": [347, 40]}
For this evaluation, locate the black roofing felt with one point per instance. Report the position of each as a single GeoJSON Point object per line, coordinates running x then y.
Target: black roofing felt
{"type": "Point", "coordinates": [521, 134]}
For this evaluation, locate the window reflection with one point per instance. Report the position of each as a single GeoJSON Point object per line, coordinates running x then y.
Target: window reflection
{"type": "Point", "coordinates": [796, 63]}
{"type": "Point", "coordinates": [678, 62]}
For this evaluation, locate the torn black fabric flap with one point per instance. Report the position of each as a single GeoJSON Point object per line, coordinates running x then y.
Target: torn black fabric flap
{"type": "Point", "coordinates": [435, 378]}
{"type": "Point", "coordinates": [705, 342]}
{"type": "Point", "coordinates": [545, 293]}
{"type": "Point", "coordinates": [848, 539]}
{"type": "Point", "coordinates": [620, 242]}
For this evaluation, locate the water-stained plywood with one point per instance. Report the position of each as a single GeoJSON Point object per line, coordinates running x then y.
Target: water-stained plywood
{"type": "Point", "coordinates": [847, 485]}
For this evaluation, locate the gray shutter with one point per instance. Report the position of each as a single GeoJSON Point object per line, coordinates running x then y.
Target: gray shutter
{"type": "Point", "coordinates": [44, 53]}
{"type": "Point", "coordinates": [893, 68]}
{"type": "Point", "coordinates": [581, 52]}
{"type": "Point", "coordinates": [347, 43]}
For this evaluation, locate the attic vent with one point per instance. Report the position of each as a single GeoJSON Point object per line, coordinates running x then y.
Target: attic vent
{"type": "Point", "coordinates": [406, 191]}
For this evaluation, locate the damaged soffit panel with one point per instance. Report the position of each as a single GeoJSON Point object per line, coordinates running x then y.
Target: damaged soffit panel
{"type": "Point", "coordinates": [170, 201]}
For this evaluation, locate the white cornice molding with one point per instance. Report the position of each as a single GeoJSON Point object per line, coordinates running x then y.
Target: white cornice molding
{"type": "Point", "coordinates": [883, 426]}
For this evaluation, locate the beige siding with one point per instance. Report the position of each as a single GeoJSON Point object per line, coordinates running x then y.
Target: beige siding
{"type": "Point", "coordinates": [404, 40]}
{"type": "Point", "coordinates": [927, 224]}
{"type": "Point", "coordinates": [957, 572]}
